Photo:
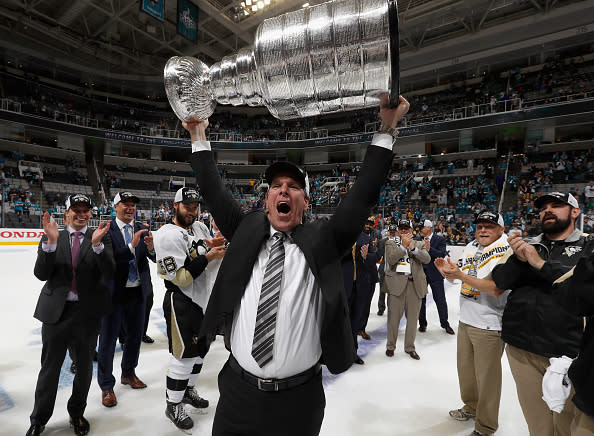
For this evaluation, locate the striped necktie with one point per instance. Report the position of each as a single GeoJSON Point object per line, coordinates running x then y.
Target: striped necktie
{"type": "Point", "coordinates": [263, 344]}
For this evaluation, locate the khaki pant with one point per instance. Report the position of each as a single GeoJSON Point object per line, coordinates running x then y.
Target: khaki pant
{"type": "Point", "coordinates": [409, 304]}
{"type": "Point", "coordinates": [479, 374]}
{"type": "Point", "coordinates": [582, 424]}
{"type": "Point", "coordinates": [528, 370]}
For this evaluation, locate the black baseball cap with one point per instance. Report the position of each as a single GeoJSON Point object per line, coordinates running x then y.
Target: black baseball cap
{"type": "Point", "coordinates": [122, 196]}
{"type": "Point", "coordinates": [392, 227]}
{"type": "Point", "coordinates": [492, 217]}
{"type": "Point", "coordinates": [404, 222]}
{"type": "Point", "coordinates": [290, 168]}
{"type": "Point", "coordinates": [186, 195]}
{"type": "Point", "coordinates": [558, 196]}
{"type": "Point", "coordinates": [73, 199]}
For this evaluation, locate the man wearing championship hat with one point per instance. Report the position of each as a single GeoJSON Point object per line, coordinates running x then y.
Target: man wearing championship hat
{"type": "Point", "coordinates": [534, 327]}
{"type": "Point", "coordinates": [406, 285]}
{"type": "Point", "coordinates": [184, 251]}
{"type": "Point", "coordinates": [279, 291]}
{"type": "Point", "coordinates": [75, 264]}
{"type": "Point", "coordinates": [130, 289]}
{"type": "Point", "coordinates": [479, 332]}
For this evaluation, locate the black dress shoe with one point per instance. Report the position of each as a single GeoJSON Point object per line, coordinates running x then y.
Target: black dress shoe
{"type": "Point", "coordinates": [73, 368]}
{"type": "Point", "coordinates": [80, 425]}
{"type": "Point", "coordinates": [449, 330]}
{"type": "Point", "coordinates": [35, 430]}
{"type": "Point", "coordinates": [423, 328]}
{"type": "Point", "coordinates": [413, 354]}
{"type": "Point", "coordinates": [380, 312]}
{"type": "Point", "coordinates": [359, 361]}
{"type": "Point", "coordinates": [147, 339]}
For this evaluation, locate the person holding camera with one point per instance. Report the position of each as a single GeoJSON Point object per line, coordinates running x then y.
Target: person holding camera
{"type": "Point", "coordinates": [535, 328]}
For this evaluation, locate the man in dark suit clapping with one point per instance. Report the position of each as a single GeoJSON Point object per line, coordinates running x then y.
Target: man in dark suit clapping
{"type": "Point", "coordinates": [74, 263]}
{"type": "Point", "coordinates": [131, 285]}
{"type": "Point", "coordinates": [436, 246]}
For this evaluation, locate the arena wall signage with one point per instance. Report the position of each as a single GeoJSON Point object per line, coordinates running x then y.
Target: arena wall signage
{"type": "Point", "coordinates": [155, 8]}
{"type": "Point", "coordinates": [20, 236]}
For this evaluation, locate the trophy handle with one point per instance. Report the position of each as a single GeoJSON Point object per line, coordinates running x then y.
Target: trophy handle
{"type": "Point", "coordinates": [394, 53]}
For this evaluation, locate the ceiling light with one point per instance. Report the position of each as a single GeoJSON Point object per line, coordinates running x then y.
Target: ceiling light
{"type": "Point", "coordinates": [260, 4]}
{"type": "Point", "coordinates": [248, 2]}
{"type": "Point", "coordinates": [245, 12]}
{"type": "Point", "coordinates": [305, 5]}
{"type": "Point", "coordinates": [266, 2]}
{"type": "Point", "coordinates": [243, 4]}
{"type": "Point", "coordinates": [254, 8]}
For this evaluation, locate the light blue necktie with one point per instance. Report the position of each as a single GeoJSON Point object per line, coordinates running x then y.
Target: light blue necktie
{"type": "Point", "coordinates": [132, 273]}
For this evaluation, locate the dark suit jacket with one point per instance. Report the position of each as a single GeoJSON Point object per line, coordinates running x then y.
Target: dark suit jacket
{"type": "Point", "coordinates": [437, 249]}
{"type": "Point", "coordinates": [366, 268]}
{"type": "Point", "coordinates": [380, 254]}
{"type": "Point", "coordinates": [92, 273]}
{"type": "Point", "coordinates": [122, 256]}
{"type": "Point", "coordinates": [322, 242]}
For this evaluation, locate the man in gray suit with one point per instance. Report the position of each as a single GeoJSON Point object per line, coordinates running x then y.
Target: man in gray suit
{"type": "Point", "coordinates": [74, 263]}
{"type": "Point", "coordinates": [406, 285]}
{"type": "Point", "coordinates": [381, 271]}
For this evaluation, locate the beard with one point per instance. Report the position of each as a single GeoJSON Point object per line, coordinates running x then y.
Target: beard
{"type": "Point", "coordinates": [183, 219]}
{"type": "Point", "coordinates": [553, 227]}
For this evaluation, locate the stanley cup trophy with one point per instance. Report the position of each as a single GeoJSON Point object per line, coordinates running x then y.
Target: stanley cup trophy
{"type": "Point", "coordinates": [337, 56]}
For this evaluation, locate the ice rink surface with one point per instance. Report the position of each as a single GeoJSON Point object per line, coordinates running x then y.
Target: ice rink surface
{"type": "Point", "coordinates": [385, 397]}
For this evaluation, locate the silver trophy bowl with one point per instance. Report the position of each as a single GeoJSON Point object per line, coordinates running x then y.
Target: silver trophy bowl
{"type": "Point", "coordinates": [337, 56]}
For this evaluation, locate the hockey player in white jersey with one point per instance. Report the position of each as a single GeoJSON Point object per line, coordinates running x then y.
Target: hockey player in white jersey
{"type": "Point", "coordinates": [183, 251]}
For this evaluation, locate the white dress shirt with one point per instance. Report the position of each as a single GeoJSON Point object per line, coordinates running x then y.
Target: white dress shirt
{"type": "Point", "coordinates": [50, 248]}
{"type": "Point", "coordinates": [297, 345]}
{"type": "Point", "coordinates": [121, 224]}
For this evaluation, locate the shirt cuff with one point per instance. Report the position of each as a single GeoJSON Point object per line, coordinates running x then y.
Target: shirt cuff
{"type": "Point", "coordinates": [415, 251]}
{"type": "Point", "coordinates": [99, 248]}
{"type": "Point", "coordinates": [200, 146]}
{"type": "Point", "coordinates": [49, 248]}
{"type": "Point", "coordinates": [383, 140]}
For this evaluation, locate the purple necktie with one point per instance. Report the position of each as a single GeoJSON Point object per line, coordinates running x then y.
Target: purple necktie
{"type": "Point", "coordinates": [75, 251]}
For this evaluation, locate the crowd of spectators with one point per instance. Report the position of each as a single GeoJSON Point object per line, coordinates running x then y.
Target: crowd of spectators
{"type": "Point", "coordinates": [566, 76]}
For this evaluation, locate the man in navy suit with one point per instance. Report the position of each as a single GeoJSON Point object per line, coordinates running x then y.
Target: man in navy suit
{"type": "Point", "coordinates": [129, 288]}
{"type": "Point", "coordinates": [436, 246]}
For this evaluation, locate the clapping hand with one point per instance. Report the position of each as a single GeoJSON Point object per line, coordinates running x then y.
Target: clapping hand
{"type": "Point", "coordinates": [525, 252]}
{"type": "Point", "coordinates": [136, 238]}
{"type": "Point", "coordinates": [149, 242]}
{"type": "Point", "coordinates": [217, 241]}
{"type": "Point", "coordinates": [50, 227]}
{"type": "Point", "coordinates": [364, 251]}
{"type": "Point", "coordinates": [447, 269]}
{"type": "Point", "coordinates": [99, 233]}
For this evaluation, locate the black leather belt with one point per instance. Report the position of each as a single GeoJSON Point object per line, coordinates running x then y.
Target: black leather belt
{"type": "Point", "coordinates": [274, 384]}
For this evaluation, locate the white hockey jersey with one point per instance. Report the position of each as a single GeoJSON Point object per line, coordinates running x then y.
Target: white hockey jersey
{"type": "Point", "coordinates": [173, 246]}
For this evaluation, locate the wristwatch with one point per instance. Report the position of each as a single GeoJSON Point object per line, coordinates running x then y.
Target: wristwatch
{"type": "Point", "coordinates": [392, 131]}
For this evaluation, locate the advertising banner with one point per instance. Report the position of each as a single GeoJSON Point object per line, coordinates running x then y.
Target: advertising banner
{"type": "Point", "coordinates": [20, 236]}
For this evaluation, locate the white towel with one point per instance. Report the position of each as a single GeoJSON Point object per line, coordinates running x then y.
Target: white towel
{"type": "Point", "coordinates": [556, 386]}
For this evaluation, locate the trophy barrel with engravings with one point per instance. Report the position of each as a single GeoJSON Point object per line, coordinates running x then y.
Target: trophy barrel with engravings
{"type": "Point", "coordinates": [336, 56]}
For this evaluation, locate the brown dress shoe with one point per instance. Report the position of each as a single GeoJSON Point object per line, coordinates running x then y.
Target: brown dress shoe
{"type": "Point", "coordinates": [390, 353]}
{"type": "Point", "coordinates": [133, 381]}
{"type": "Point", "coordinates": [364, 335]}
{"type": "Point", "coordinates": [449, 330]}
{"type": "Point", "coordinates": [108, 398]}
{"type": "Point", "coordinates": [423, 328]}
{"type": "Point", "coordinates": [414, 355]}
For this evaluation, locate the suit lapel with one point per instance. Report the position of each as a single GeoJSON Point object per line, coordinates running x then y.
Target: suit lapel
{"type": "Point", "coordinates": [116, 235]}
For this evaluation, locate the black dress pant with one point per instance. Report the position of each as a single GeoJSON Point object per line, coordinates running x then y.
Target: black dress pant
{"type": "Point", "coordinates": [75, 331]}
{"type": "Point", "coordinates": [438, 291]}
{"type": "Point", "coordinates": [148, 305]}
{"type": "Point", "coordinates": [243, 410]}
